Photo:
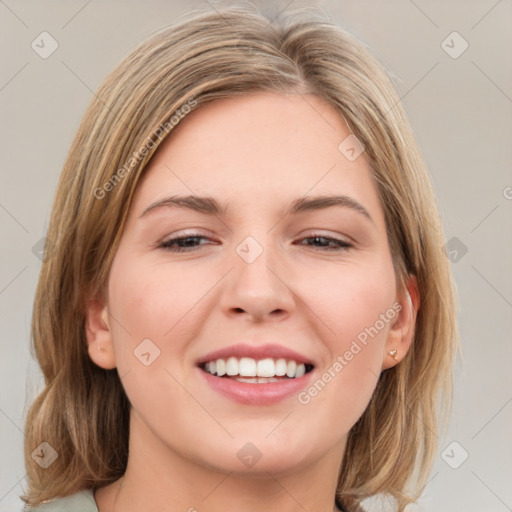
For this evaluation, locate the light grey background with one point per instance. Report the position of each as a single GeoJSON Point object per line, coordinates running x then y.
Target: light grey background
{"type": "Point", "coordinates": [460, 109]}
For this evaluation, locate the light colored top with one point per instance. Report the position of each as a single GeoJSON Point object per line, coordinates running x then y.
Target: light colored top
{"type": "Point", "coordinates": [82, 501]}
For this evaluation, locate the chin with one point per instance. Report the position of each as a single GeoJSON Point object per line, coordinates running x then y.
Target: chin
{"type": "Point", "coordinates": [258, 457]}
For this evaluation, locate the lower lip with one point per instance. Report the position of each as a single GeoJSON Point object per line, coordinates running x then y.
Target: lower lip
{"type": "Point", "coordinates": [256, 394]}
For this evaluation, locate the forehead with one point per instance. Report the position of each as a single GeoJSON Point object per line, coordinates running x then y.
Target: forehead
{"type": "Point", "coordinates": [280, 125]}
{"type": "Point", "coordinates": [263, 147]}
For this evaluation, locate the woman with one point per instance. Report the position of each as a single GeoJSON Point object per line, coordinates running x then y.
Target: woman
{"type": "Point", "coordinates": [248, 300]}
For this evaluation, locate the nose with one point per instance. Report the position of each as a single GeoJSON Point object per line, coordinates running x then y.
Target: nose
{"type": "Point", "coordinates": [259, 289]}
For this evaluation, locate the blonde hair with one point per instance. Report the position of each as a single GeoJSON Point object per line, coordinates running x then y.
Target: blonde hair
{"type": "Point", "coordinates": [83, 412]}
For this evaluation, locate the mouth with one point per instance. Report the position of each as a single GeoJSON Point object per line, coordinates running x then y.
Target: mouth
{"type": "Point", "coordinates": [256, 371]}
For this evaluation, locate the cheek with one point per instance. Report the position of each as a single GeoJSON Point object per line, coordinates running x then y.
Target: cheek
{"type": "Point", "coordinates": [348, 298]}
{"type": "Point", "coordinates": [154, 312]}
{"type": "Point", "coordinates": [153, 301]}
{"type": "Point", "coordinates": [148, 310]}
{"type": "Point", "coordinates": [354, 306]}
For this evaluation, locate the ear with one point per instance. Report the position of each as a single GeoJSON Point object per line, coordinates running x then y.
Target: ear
{"type": "Point", "coordinates": [401, 332]}
{"type": "Point", "coordinates": [99, 336]}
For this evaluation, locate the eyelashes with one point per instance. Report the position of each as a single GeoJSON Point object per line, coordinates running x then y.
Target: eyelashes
{"type": "Point", "coordinates": [172, 245]}
{"type": "Point", "coordinates": [183, 243]}
{"type": "Point", "coordinates": [339, 245]}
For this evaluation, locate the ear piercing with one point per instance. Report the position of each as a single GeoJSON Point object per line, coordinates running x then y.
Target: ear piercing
{"type": "Point", "coordinates": [393, 354]}
{"type": "Point", "coordinates": [101, 349]}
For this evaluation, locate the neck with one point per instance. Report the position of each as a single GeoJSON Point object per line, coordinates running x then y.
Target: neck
{"type": "Point", "coordinates": [160, 479]}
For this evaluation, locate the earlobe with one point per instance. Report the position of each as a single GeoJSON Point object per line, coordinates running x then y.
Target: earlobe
{"type": "Point", "coordinates": [99, 335]}
{"type": "Point", "coordinates": [401, 333]}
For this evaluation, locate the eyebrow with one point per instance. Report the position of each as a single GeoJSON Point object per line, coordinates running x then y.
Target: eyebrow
{"type": "Point", "coordinates": [210, 206]}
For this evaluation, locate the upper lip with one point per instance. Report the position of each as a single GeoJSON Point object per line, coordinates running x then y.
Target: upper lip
{"type": "Point", "coordinates": [260, 351]}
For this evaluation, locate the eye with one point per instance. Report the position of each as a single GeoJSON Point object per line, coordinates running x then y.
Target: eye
{"type": "Point", "coordinates": [182, 243]}
{"type": "Point", "coordinates": [339, 245]}
{"type": "Point", "coordinates": [189, 243]}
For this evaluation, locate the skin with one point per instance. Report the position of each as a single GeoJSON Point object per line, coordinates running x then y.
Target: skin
{"type": "Point", "coordinates": [258, 153]}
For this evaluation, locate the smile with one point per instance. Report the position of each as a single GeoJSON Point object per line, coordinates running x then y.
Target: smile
{"type": "Point", "coordinates": [253, 371]}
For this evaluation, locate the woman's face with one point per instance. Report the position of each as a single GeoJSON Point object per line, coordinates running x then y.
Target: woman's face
{"type": "Point", "coordinates": [258, 280]}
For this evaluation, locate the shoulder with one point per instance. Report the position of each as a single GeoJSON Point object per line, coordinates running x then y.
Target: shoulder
{"type": "Point", "coordinates": [82, 501]}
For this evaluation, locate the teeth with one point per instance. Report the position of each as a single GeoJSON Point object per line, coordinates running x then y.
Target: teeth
{"type": "Point", "coordinates": [220, 367]}
{"type": "Point", "coordinates": [290, 371]}
{"type": "Point", "coordinates": [246, 367]}
{"type": "Point", "coordinates": [281, 367]}
{"type": "Point", "coordinates": [264, 369]}
{"type": "Point", "coordinates": [256, 380]}
{"type": "Point", "coordinates": [232, 366]}
{"type": "Point", "coordinates": [300, 371]}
